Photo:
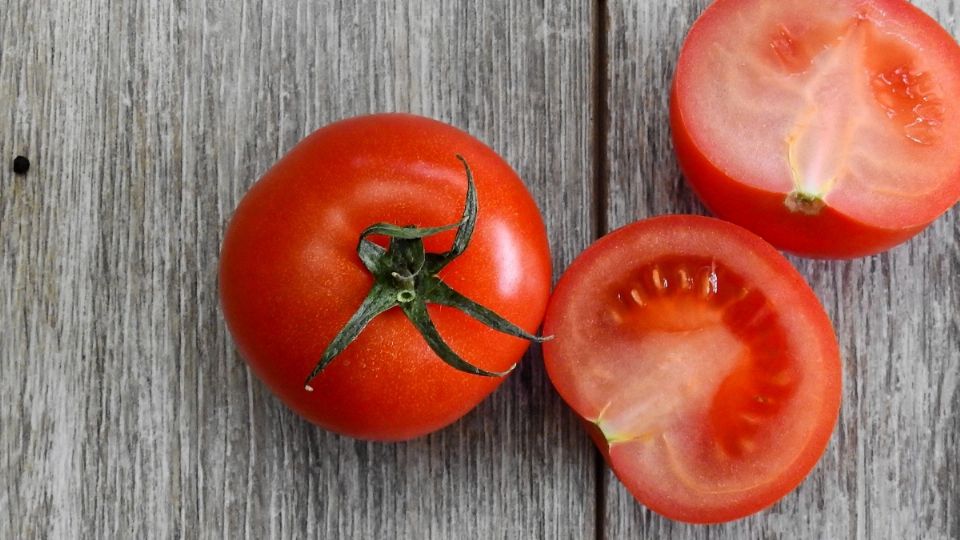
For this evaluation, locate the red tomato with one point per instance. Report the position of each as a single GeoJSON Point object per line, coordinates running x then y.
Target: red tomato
{"type": "Point", "coordinates": [290, 276]}
{"type": "Point", "coordinates": [703, 365]}
{"type": "Point", "coordinates": [828, 127]}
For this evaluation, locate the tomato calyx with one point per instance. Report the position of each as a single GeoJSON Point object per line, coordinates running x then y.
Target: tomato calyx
{"type": "Point", "coordinates": [406, 276]}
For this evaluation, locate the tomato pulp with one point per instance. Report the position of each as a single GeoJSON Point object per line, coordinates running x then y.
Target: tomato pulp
{"type": "Point", "coordinates": [703, 365]}
{"type": "Point", "coordinates": [827, 127]}
{"type": "Point", "coordinates": [290, 275]}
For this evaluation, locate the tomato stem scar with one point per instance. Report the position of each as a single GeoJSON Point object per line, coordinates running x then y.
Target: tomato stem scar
{"type": "Point", "coordinates": [400, 281]}
{"type": "Point", "coordinates": [804, 203]}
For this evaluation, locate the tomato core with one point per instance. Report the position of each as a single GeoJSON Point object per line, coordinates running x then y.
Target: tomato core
{"type": "Point", "coordinates": [837, 70]}
{"type": "Point", "coordinates": [824, 126]}
{"type": "Point", "coordinates": [681, 306]}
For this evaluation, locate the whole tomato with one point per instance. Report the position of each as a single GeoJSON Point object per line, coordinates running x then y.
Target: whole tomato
{"type": "Point", "coordinates": [368, 278]}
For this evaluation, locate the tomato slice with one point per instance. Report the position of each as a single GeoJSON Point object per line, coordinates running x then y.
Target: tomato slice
{"type": "Point", "coordinates": [702, 362]}
{"type": "Point", "coordinates": [841, 112]}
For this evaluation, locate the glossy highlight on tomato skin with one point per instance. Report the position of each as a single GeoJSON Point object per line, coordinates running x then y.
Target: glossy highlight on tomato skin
{"type": "Point", "coordinates": [702, 365]}
{"type": "Point", "coordinates": [824, 127]}
{"type": "Point", "coordinates": [290, 276]}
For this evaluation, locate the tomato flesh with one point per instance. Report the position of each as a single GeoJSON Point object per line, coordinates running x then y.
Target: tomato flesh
{"type": "Point", "coordinates": [705, 363]}
{"type": "Point", "coordinates": [840, 109]}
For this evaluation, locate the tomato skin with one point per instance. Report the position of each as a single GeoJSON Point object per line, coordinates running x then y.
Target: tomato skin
{"type": "Point", "coordinates": [290, 276]}
{"type": "Point", "coordinates": [829, 234]}
{"type": "Point", "coordinates": [834, 232]}
{"type": "Point", "coordinates": [580, 358]}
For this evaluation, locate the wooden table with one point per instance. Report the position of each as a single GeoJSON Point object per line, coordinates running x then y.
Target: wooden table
{"type": "Point", "coordinates": [125, 409]}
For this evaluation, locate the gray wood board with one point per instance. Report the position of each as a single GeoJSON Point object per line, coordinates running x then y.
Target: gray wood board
{"type": "Point", "coordinates": [892, 469]}
{"type": "Point", "coordinates": [124, 410]}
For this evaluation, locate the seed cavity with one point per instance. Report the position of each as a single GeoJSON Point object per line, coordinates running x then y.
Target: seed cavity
{"type": "Point", "coordinates": [817, 53]}
{"type": "Point", "coordinates": [910, 98]}
{"type": "Point", "coordinates": [688, 294]}
{"type": "Point", "coordinates": [792, 56]}
{"type": "Point", "coordinates": [653, 282]}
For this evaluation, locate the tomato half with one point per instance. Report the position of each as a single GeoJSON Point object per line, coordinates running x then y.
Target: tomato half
{"type": "Point", "coordinates": [828, 127]}
{"type": "Point", "coordinates": [290, 275]}
{"type": "Point", "coordinates": [702, 364]}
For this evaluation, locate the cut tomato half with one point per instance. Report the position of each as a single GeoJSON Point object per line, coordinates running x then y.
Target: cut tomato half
{"type": "Point", "coordinates": [828, 127]}
{"type": "Point", "coordinates": [701, 362]}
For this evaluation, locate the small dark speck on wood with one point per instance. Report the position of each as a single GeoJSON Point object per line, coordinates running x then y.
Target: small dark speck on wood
{"type": "Point", "coordinates": [21, 165]}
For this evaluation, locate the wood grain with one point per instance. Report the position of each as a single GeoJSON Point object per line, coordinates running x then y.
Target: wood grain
{"type": "Point", "coordinates": [124, 410]}
{"type": "Point", "coordinates": [892, 469]}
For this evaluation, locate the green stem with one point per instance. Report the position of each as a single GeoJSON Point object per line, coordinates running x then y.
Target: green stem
{"type": "Point", "coordinates": [406, 276]}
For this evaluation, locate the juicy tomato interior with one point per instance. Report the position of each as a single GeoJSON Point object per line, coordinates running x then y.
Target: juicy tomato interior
{"type": "Point", "coordinates": [703, 359]}
{"type": "Point", "coordinates": [847, 103]}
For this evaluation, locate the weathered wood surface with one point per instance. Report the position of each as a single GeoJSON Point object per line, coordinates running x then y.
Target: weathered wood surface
{"type": "Point", "coordinates": [892, 469]}
{"type": "Point", "coordinates": [124, 410]}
